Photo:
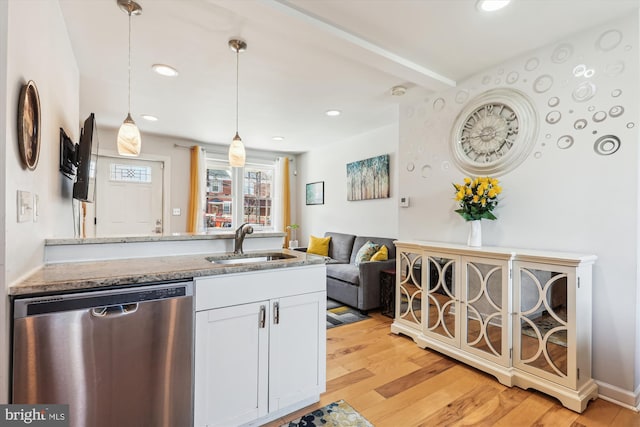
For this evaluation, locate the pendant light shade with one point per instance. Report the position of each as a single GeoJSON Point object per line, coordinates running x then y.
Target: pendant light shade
{"type": "Point", "coordinates": [129, 141]}
{"type": "Point", "coordinates": [237, 154]}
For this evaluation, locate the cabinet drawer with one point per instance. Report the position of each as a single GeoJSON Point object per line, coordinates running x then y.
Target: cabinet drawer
{"type": "Point", "coordinates": [240, 288]}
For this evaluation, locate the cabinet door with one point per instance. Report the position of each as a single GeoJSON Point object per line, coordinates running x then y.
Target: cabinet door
{"type": "Point", "coordinates": [544, 341]}
{"type": "Point", "coordinates": [409, 289]}
{"type": "Point", "coordinates": [297, 361]}
{"type": "Point", "coordinates": [231, 358]}
{"type": "Point", "coordinates": [485, 308]}
{"type": "Point", "coordinates": [442, 301]}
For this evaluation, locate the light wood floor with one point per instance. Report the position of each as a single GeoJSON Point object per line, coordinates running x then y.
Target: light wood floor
{"type": "Point", "coordinates": [394, 383]}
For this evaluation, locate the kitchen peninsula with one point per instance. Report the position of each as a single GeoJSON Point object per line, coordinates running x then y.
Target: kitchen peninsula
{"type": "Point", "coordinates": [251, 314]}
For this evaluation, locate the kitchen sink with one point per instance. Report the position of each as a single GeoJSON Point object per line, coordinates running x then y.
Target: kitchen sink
{"type": "Point", "coordinates": [247, 258]}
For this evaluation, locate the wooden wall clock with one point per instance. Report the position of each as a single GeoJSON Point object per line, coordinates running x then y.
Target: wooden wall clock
{"type": "Point", "coordinates": [494, 132]}
{"type": "Point", "coordinates": [29, 125]}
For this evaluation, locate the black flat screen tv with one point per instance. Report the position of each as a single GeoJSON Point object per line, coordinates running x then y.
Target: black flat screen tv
{"type": "Point", "coordinates": [84, 187]}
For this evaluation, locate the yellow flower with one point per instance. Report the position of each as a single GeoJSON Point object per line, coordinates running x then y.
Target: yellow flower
{"type": "Point", "coordinates": [475, 182]}
{"type": "Point", "coordinates": [475, 199]}
{"type": "Point", "coordinates": [494, 182]}
{"type": "Point", "coordinates": [480, 190]}
{"type": "Point", "coordinates": [483, 201]}
{"type": "Point", "coordinates": [459, 195]}
{"type": "Point", "coordinates": [468, 191]}
{"type": "Point", "coordinates": [498, 189]}
{"type": "Point", "coordinates": [467, 180]}
{"type": "Point", "coordinates": [492, 193]}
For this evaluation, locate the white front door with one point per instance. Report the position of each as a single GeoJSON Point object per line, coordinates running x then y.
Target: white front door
{"type": "Point", "coordinates": [128, 197]}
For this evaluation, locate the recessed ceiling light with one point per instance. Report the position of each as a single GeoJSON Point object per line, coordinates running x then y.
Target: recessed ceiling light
{"type": "Point", "coordinates": [149, 117]}
{"type": "Point", "coordinates": [164, 70]}
{"type": "Point", "coordinates": [278, 138]}
{"type": "Point", "coordinates": [491, 5]}
{"type": "Point", "coordinates": [333, 113]}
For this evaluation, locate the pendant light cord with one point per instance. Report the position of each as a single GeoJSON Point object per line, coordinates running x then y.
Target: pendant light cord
{"type": "Point", "coordinates": [129, 108]}
{"type": "Point", "coordinates": [237, 86]}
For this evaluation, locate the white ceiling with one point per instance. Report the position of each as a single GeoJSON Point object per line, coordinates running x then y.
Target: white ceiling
{"type": "Point", "coordinates": [303, 58]}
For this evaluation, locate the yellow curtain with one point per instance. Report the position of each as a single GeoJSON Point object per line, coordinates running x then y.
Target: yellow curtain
{"type": "Point", "coordinates": [194, 191]}
{"type": "Point", "coordinates": [286, 200]}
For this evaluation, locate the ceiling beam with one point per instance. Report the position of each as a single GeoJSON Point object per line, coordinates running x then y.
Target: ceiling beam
{"type": "Point", "coordinates": [375, 55]}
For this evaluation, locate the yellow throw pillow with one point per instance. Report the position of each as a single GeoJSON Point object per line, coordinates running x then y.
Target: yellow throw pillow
{"type": "Point", "coordinates": [319, 245]}
{"type": "Point", "coordinates": [381, 255]}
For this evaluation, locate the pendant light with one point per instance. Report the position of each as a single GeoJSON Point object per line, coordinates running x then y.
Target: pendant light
{"type": "Point", "coordinates": [129, 141]}
{"type": "Point", "coordinates": [236, 149]}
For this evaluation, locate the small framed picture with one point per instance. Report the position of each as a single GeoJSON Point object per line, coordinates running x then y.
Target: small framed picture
{"type": "Point", "coordinates": [315, 193]}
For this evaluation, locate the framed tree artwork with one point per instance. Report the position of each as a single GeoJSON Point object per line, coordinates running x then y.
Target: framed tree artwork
{"type": "Point", "coordinates": [368, 179]}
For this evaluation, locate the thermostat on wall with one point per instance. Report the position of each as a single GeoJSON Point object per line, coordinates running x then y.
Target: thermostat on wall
{"type": "Point", "coordinates": [404, 202]}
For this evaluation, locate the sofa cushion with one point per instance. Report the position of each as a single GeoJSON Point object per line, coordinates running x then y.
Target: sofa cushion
{"type": "Point", "coordinates": [345, 272]}
{"type": "Point", "coordinates": [381, 255]}
{"type": "Point", "coordinates": [340, 246]}
{"type": "Point", "coordinates": [361, 240]}
{"type": "Point", "coordinates": [366, 252]}
{"type": "Point", "coordinates": [319, 245]}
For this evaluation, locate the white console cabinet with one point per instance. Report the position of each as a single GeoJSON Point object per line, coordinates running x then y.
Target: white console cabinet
{"type": "Point", "coordinates": [523, 316]}
{"type": "Point", "coordinates": [260, 345]}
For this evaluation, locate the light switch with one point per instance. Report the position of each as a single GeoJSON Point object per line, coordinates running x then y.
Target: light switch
{"type": "Point", "coordinates": [404, 201]}
{"type": "Point", "coordinates": [25, 206]}
{"type": "Point", "coordinates": [176, 211]}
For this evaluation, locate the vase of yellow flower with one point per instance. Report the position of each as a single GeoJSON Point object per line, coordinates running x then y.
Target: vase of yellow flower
{"type": "Point", "coordinates": [477, 198]}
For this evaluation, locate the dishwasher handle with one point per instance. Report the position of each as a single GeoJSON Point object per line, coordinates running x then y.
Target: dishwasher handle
{"type": "Point", "coordinates": [114, 310]}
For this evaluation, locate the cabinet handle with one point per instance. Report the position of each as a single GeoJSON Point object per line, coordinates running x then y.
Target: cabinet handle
{"type": "Point", "coordinates": [276, 313]}
{"type": "Point", "coordinates": [263, 316]}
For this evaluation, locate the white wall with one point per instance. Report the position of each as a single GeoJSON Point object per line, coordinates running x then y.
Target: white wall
{"type": "Point", "coordinates": [45, 56]}
{"type": "Point", "coordinates": [569, 199]}
{"type": "Point", "coordinates": [160, 146]}
{"type": "Point", "coordinates": [378, 217]}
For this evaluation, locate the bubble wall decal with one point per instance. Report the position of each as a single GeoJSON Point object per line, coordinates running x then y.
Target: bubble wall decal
{"type": "Point", "coordinates": [608, 40]}
{"type": "Point", "coordinates": [531, 64]}
{"type": "Point", "coordinates": [606, 145]}
{"type": "Point", "coordinates": [565, 141]}
{"type": "Point", "coordinates": [616, 111]}
{"type": "Point", "coordinates": [584, 92]}
{"type": "Point", "coordinates": [553, 117]}
{"type": "Point", "coordinates": [543, 83]}
{"type": "Point", "coordinates": [562, 53]}
{"type": "Point", "coordinates": [580, 124]}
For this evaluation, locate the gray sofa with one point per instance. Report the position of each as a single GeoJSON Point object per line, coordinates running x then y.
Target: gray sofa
{"type": "Point", "coordinates": [359, 286]}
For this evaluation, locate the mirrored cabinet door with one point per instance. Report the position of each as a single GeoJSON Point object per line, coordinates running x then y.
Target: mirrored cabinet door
{"type": "Point", "coordinates": [485, 308]}
{"type": "Point", "coordinates": [442, 298]}
{"type": "Point", "coordinates": [544, 329]}
{"type": "Point", "coordinates": [409, 288]}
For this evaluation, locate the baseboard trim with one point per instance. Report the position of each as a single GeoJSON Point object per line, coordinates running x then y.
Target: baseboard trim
{"type": "Point", "coordinates": [619, 396]}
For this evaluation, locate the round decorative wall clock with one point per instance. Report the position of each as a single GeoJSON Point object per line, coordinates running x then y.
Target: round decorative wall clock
{"type": "Point", "coordinates": [29, 125]}
{"type": "Point", "coordinates": [494, 132]}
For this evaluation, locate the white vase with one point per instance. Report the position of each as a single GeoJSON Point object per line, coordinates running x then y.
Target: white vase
{"type": "Point", "coordinates": [293, 244]}
{"type": "Point", "coordinates": [475, 233]}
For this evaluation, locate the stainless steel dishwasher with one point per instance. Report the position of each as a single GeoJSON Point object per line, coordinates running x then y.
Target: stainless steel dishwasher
{"type": "Point", "coordinates": [121, 357]}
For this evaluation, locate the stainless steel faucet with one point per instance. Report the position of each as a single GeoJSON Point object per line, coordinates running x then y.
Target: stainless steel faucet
{"type": "Point", "coordinates": [241, 232]}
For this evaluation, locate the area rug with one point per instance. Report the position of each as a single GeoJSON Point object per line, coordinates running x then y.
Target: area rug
{"type": "Point", "coordinates": [545, 323]}
{"type": "Point", "coordinates": [336, 414]}
{"type": "Point", "coordinates": [339, 314]}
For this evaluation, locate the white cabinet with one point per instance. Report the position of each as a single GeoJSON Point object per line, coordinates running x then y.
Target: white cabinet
{"type": "Point", "coordinates": [256, 361]}
{"type": "Point", "coordinates": [522, 316]}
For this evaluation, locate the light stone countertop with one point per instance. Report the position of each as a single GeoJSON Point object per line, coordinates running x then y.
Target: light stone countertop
{"type": "Point", "coordinates": [64, 277]}
{"type": "Point", "coordinates": [160, 238]}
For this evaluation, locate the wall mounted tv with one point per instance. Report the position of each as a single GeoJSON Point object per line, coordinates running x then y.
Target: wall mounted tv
{"type": "Point", "coordinates": [86, 153]}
